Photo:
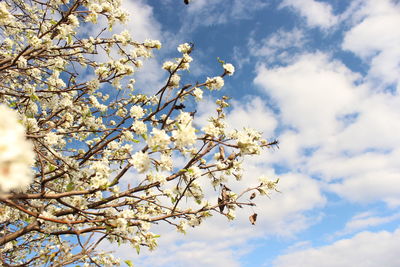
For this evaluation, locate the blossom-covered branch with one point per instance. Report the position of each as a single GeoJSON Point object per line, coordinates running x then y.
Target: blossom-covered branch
{"type": "Point", "coordinates": [84, 157]}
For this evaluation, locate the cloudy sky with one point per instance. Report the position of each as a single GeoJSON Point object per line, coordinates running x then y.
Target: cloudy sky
{"type": "Point", "coordinates": [322, 77]}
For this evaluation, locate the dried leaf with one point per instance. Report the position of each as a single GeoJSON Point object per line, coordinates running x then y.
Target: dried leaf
{"type": "Point", "coordinates": [221, 153]}
{"type": "Point", "coordinates": [225, 188]}
{"type": "Point", "coordinates": [221, 205]}
{"type": "Point", "coordinates": [253, 218]}
{"type": "Point", "coordinates": [224, 193]}
{"type": "Point", "coordinates": [232, 156]}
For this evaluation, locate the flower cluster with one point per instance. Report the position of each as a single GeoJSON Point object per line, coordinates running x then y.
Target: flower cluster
{"type": "Point", "coordinates": [184, 135]}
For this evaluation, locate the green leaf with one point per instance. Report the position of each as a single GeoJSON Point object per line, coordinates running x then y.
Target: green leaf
{"type": "Point", "coordinates": [51, 167]}
{"type": "Point", "coordinates": [262, 191]}
{"type": "Point", "coordinates": [173, 200]}
{"type": "Point", "coordinates": [34, 97]}
{"type": "Point", "coordinates": [220, 60]}
{"type": "Point", "coordinates": [137, 249]}
{"type": "Point", "coordinates": [129, 263]}
{"type": "Point", "coordinates": [70, 186]}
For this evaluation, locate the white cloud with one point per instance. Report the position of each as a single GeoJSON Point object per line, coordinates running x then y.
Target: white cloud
{"type": "Point", "coordinates": [280, 46]}
{"type": "Point", "coordinates": [332, 128]}
{"type": "Point", "coordinates": [283, 214]}
{"type": "Point", "coordinates": [311, 94]}
{"type": "Point", "coordinates": [253, 113]}
{"type": "Point", "coordinates": [380, 185]}
{"type": "Point", "coordinates": [242, 9]}
{"type": "Point", "coordinates": [210, 12]}
{"type": "Point", "coordinates": [211, 244]}
{"type": "Point", "coordinates": [317, 14]}
{"type": "Point", "coordinates": [142, 24]}
{"type": "Point", "coordinates": [375, 38]}
{"type": "Point", "coordinates": [364, 220]}
{"type": "Point", "coordinates": [366, 249]}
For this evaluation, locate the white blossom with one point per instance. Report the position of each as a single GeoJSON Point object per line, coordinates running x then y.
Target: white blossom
{"type": "Point", "coordinates": [136, 112]}
{"type": "Point", "coordinates": [174, 80]}
{"type": "Point", "coordinates": [16, 155]}
{"type": "Point", "coordinates": [52, 138]}
{"type": "Point", "coordinates": [140, 161]}
{"type": "Point", "coordinates": [229, 68]}
{"type": "Point", "coordinates": [185, 134]}
{"type": "Point", "coordinates": [170, 66]}
{"type": "Point", "coordinates": [139, 127]}
{"type": "Point", "coordinates": [215, 83]}
{"type": "Point", "coordinates": [184, 48]}
{"type": "Point", "coordinates": [159, 139]}
{"type": "Point", "coordinates": [198, 93]}
{"type": "Point", "coordinates": [165, 162]}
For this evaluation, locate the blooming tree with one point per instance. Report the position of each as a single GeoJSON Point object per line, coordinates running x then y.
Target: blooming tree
{"type": "Point", "coordinates": [85, 158]}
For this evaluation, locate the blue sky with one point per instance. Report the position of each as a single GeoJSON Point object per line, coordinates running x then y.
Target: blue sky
{"type": "Point", "coordinates": [322, 77]}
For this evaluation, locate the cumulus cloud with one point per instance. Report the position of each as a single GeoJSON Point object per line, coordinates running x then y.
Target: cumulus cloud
{"type": "Point", "coordinates": [310, 94]}
{"type": "Point", "coordinates": [284, 213]}
{"type": "Point", "coordinates": [336, 127]}
{"type": "Point", "coordinates": [374, 38]}
{"type": "Point", "coordinates": [316, 13]}
{"type": "Point", "coordinates": [252, 112]}
{"type": "Point", "coordinates": [214, 243]}
{"type": "Point", "coordinates": [366, 249]}
{"type": "Point", "coordinates": [142, 23]}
